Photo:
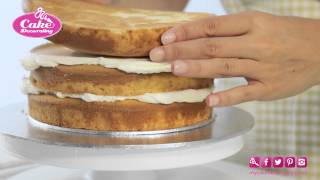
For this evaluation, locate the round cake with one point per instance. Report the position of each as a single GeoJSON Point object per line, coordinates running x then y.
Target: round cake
{"type": "Point", "coordinates": [74, 90]}
{"type": "Point", "coordinates": [109, 30]}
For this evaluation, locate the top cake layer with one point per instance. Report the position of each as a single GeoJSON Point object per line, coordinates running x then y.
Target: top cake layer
{"type": "Point", "coordinates": [107, 30]}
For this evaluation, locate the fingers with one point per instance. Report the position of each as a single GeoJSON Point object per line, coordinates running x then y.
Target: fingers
{"type": "Point", "coordinates": [237, 95]}
{"type": "Point", "coordinates": [204, 48]}
{"type": "Point", "coordinates": [213, 68]}
{"type": "Point", "coordinates": [229, 25]}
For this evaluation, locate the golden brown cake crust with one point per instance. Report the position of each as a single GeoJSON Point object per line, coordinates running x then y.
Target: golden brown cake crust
{"type": "Point", "coordinates": [128, 115]}
{"type": "Point", "coordinates": [133, 43]}
{"type": "Point", "coordinates": [107, 30]}
{"type": "Point", "coordinates": [98, 80]}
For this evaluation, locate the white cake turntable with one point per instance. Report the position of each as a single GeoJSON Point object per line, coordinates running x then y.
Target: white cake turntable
{"type": "Point", "coordinates": [119, 156]}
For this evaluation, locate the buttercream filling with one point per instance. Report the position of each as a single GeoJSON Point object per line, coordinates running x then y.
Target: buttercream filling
{"type": "Point", "coordinates": [188, 95]}
{"type": "Point", "coordinates": [54, 55]}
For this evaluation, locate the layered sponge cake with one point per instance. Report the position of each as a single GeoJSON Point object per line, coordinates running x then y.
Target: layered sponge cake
{"type": "Point", "coordinates": [74, 90]}
{"type": "Point", "coordinates": [89, 79]}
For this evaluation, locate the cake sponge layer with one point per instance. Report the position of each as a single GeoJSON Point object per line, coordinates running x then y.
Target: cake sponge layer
{"type": "Point", "coordinates": [107, 30]}
{"type": "Point", "coordinates": [99, 80]}
{"type": "Point", "coordinates": [127, 115]}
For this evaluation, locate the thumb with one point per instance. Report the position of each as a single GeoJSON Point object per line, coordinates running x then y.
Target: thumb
{"type": "Point", "coordinates": [236, 95]}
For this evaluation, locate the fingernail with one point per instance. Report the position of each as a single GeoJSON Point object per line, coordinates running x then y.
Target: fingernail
{"type": "Point", "coordinates": [179, 67]}
{"type": "Point", "coordinates": [168, 37]}
{"type": "Point", "coordinates": [157, 54]}
{"type": "Point", "coordinates": [212, 100]}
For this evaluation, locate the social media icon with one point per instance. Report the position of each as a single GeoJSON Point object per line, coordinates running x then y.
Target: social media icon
{"type": "Point", "coordinates": [278, 162]}
{"type": "Point", "coordinates": [290, 162]}
{"type": "Point", "coordinates": [302, 162]}
{"type": "Point", "coordinates": [266, 162]}
{"type": "Point", "coordinates": [254, 162]}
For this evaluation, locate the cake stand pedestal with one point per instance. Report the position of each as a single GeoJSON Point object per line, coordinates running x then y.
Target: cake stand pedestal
{"type": "Point", "coordinates": [126, 157]}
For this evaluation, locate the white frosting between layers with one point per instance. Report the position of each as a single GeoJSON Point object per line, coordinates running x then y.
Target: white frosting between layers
{"type": "Point", "coordinates": [189, 95]}
{"type": "Point", "coordinates": [34, 61]}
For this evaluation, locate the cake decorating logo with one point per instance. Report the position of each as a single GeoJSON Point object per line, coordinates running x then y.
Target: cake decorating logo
{"type": "Point", "coordinates": [37, 24]}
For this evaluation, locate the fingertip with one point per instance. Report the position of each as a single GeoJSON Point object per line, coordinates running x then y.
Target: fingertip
{"type": "Point", "coordinates": [179, 67]}
{"type": "Point", "coordinates": [212, 100]}
{"type": "Point", "coordinates": [168, 37]}
{"type": "Point", "coordinates": [208, 101]}
{"type": "Point", "coordinates": [157, 54]}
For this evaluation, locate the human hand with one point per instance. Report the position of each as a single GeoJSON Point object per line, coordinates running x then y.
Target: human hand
{"type": "Point", "coordinates": [279, 56]}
